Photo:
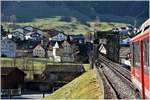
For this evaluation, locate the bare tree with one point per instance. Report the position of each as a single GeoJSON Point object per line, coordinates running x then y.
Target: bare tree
{"type": "Point", "coordinates": [13, 19]}
{"type": "Point", "coordinates": [14, 61]}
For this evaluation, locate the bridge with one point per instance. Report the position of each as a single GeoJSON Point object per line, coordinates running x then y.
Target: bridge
{"type": "Point", "coordinates": [110, 41]}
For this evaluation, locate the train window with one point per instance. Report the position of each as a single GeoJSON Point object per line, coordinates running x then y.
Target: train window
{"type": "Point", "coordinates": [146, 55]}
{"type": "Point", "coordinates": [132, 55]}
{"type": "Point", "coordinates": [137, 54]}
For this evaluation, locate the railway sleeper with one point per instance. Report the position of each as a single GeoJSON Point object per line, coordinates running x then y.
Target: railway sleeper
{"type": "Point", "coordinates": [109, 92]}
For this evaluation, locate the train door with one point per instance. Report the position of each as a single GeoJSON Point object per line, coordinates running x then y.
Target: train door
{"type": "Point", "coordinates": [142, 69]}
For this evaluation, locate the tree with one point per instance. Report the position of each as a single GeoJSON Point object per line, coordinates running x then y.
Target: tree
{"type": "Point", "coordinates": [3, 32]}
{"type": "Point", "coordinates": [13, 19]}
{"type": "Point", "coordinates": [88, 36]}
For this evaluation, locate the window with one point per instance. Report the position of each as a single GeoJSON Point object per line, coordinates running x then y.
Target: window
{"type": "Point", "coordinates": [137, 54]}
{"type": "Point", "coordinates": [132, 55]}
{"type": "Point", "coordinates": [146, 55]}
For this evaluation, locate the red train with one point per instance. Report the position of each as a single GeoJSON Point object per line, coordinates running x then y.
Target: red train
{"type": "Point", "coordinates": [140, 69]}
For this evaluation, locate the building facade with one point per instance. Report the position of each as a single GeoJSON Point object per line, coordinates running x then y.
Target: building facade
{"type": "Point", "coordinates": [67, 52]}
{"type": "Point", "coordinates": [8, 47]}
{"type": "Point", "coordinates": [39, 51]}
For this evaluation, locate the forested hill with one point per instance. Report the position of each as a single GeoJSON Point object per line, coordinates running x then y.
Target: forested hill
{"type": "Point", "coordinates": [116, 11]}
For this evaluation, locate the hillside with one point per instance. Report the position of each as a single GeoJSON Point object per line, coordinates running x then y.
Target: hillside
{"type": "Point", "coordinates": [69, 25]}
{"type": "Point", "coordinates": [110, 11]}
{"type": "Point", "coordinates": [83, 87]}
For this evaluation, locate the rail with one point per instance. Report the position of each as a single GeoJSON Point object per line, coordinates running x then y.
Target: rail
{"type": "Point", "coordinates": [118, 78]}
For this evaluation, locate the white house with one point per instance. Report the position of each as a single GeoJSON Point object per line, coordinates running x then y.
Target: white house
{"type": "Point", "coordinates": [59, 37]}
{"type": "Point", "coordinates": [68, 49]}
{"type": "Point", "coordinates": [8, 47]}
{"type": "Point", "coordinates": [102, 49]}
{"type": "Point", "coordinates": [18, 34]}
{"type": "Point", "coordinates": [28, 32]}
{"type": "Point", "coordinates": [39, 51]}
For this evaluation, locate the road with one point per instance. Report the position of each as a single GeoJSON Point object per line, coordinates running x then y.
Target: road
{"type": "Point", "coordinates": [26, 96]}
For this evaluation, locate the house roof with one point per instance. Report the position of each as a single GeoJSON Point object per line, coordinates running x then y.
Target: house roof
{"type": "Point", "coordinates": [40, 46]}
{"type": "Point", "coordinates": [51, 32]}
{"type": "Point", "coordinates": [26, 28]}
{"type": "Point", "coordinates": [80, 36]}
{"type": "Point", "coordinates": [8, 70]}
{"type": "Point", "coordinates": [52, 43]}
{"type": "Point", "coordinates": [7, 39]}
{"type": "Point", "coordinates": [64, 68]}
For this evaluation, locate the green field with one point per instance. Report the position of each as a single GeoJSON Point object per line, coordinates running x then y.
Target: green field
{"type": "Point", "coordinates": [28, 65]}
{"type": "Point", "coordinates": [69, 27]}
{"type": "Point", "coordinates": [83, 87]}
{"type": "Point", "coordinates": [31, 65]}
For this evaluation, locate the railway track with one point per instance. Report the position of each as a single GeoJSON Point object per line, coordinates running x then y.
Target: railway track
{"type": "Point", "coordinates": [109, 90]}
{"type": "Point", "coordinates": [115, 66]}
{"type": "Point", "coordinates": [118, 78]}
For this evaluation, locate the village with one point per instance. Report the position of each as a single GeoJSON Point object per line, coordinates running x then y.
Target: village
{"type": "Point", "coordinates": [28, 44]}
{"type": "Point", "coordinates": [74, 50]}
{"type": "Point", "coordinates": [45, 59]}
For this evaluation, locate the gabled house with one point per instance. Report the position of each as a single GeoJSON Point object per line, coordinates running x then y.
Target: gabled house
{"type": "Point", "coordinates": [67, 48]}
{"type": "Point", "coordinates": [61, 51]}
{"type": "Point", "coordinates": [11, 77]}
{"type": "Point", "coordinates": [67, 52]}
{"type": "Point", "coordinates": [8, 47]}
{"type": "Point", "coordinates": [39, 51]}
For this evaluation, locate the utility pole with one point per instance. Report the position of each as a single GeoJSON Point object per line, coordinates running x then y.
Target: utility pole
{"type": "Point", "coordinates": [135, 22]}
{"type": "Point", "coordinates": [97, 24]}
{"type": "Point", "coordinates": [95, 45]}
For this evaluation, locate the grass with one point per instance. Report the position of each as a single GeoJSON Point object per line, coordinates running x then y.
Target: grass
{"type": "Point", "coordinates": [86, 66]}
{"type": "Point", "coordinates": [104, 26]}
{"type": "Point", "coordinates": [83, 87]}
{"type": "Point", "coordinates": [31, 65]}
{"type": "Point", "coordinates": [71, 27]}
